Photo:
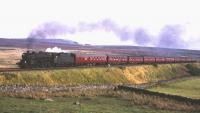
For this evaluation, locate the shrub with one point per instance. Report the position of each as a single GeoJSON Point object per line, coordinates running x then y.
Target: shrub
{"type": "Point", "coordinates": [192, 69]}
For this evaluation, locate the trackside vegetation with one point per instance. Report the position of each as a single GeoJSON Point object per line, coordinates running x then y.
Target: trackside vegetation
{"type": "Point", "coordinates": [95, 75]}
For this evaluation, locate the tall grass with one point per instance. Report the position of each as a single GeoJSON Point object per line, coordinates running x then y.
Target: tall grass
{"type": "Point", "coordinates": [112, 75]}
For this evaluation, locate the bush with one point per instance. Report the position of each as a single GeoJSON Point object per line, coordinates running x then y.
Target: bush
{"type": "Point", "coordinates": [192, 69]}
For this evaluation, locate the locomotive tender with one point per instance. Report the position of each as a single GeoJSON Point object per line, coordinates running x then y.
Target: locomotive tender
{"type": "Point", "coordinates": [47, 59]}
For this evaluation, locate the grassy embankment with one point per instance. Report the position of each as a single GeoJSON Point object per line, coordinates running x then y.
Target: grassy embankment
{"type": "Point", "coordinates": [112, 75]}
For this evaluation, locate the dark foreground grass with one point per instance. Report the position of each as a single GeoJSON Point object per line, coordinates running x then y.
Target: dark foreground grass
{"type": "Point", "coordinates": [99, 104]}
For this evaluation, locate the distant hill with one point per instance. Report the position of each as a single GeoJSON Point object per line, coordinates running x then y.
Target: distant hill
{"type": "Point", "coordinates": [35, 43]}
{"type": "Point", "coordinates": [42, 44]}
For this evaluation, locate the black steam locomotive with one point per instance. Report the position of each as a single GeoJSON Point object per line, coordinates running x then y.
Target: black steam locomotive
{"type": "Point", "coordinates": [46, 59]}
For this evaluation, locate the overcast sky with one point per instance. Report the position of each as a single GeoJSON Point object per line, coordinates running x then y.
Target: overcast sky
{"type": "Point", "coordinates": [18, 18]}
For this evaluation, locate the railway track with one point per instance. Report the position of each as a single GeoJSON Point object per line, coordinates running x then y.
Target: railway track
{"type": "Point", "coordinates": [75, 67]}
{"type": "Point", "coordinates": [33, 69]}
{"type": "Point", "coordinates": [9, 69]}
{"type": "Point", "coordinates": [50, 68]}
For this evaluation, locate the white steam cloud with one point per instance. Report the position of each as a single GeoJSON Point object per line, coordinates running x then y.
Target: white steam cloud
{"type": "Point", "coordinates": [56, 50]}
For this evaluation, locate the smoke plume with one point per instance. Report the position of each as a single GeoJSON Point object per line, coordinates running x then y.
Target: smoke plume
{"type": "Point", "coordinates": [47, 30]}
{"type": "Point", "coordinates": [141, 37]}
{"type": "Point", "coordinates": [169, 36]}
{"type": "Point", "coordinates": [50, 30]}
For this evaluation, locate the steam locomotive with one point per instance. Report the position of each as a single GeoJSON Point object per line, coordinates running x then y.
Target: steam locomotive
{"type": "Point", "coordinates": [47, 59]}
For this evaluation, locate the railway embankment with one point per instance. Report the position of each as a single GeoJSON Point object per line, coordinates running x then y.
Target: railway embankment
{"type": "Point", "coordinates": [137, 74]}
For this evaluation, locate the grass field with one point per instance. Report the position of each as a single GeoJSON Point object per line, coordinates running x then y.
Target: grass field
{"type": "Point", "coordinates": [188, 88]}
{"type": "Point", "coordinates": [67, 105]}
{"type": "Point", "coordinates": [10, 56]}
